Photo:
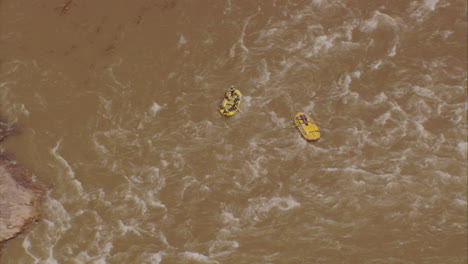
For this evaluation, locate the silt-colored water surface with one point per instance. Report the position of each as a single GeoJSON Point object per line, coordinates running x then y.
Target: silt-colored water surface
{"type": "Point", "coordinates": [117, 102]}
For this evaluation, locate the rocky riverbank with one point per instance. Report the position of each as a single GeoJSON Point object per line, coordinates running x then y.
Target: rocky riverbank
{"type": "Point", "coordinates": [20, 195]}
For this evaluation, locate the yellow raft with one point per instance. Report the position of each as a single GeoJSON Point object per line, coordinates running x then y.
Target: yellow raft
{"type": "Point", "coordinates": [231, 102]}
{"type": "Point", "coordinates": [309, 130]}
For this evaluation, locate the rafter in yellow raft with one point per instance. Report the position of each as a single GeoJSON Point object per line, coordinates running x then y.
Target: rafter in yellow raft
{"type": "Point", "coordinates": [309, 130]}
{"type": "Point", "coordinates": [231, 102]}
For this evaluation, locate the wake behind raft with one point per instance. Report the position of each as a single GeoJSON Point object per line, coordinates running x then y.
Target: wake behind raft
{"type": "Point", "coordinates": [231, 102]}
{"type": "Point", "coordinates": [309, 130]}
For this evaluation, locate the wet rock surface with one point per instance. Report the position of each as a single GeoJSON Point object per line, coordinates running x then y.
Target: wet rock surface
{"type": "Point", "coordinates": [20, 195]}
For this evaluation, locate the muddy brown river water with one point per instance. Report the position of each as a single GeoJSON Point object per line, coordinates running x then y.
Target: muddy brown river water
{"type": "Point", "coordinates": [117, 104]}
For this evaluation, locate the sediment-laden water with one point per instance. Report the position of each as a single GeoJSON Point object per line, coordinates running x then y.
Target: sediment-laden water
{"type": "Point", "coordinates": [117, 104]}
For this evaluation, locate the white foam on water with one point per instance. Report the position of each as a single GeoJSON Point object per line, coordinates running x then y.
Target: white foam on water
{"type": "Point", "coordinates": [229, 219]}
{"type": "Point", "coordinates": [50, 258]}
{"type": "Point", "coordinates": [222, 247]}
{"type": "Point", "coordinates": [309, 108]}
{"type": "Point", "coordinates": [421, 9]}
{"type": "Point", "coordinates": [228, 8]}
{"type": "Point", "coordinates": [75, 183]}
{"type": "Point", "coordinates": [138, 203]}
{"type": "Point", "coordinates": [163, 239]}
{"type": "Point", "coordinates": [424, 92]}
{"type": "Point", "coordinates": [298, 16]}
{"type": "Point", "coordinates": [358, 183]}
{"type": "Point", "coordinates": [110, 71]}
{"type": "Point", "coordinates": [376, 65]}
{"type": "Point", "coordinates": [100, 148]}
{"type": "Point", "coordinates": [268, 33]}
{"type": "Point", "coordinates": [382, 119]}
{"type": "Point", "coordinates": [420, 132]}
{"type": "Point", "coordinates": [286, 64]}
{"type": "Point", "coordinates": [348, 30]}
{"type": "Point", "coordinates": [380, 98]}
{"type": "Point", "coordinates": [155, 107]}
{"type": "Point", "coordinates": [382, 21]}
{"type": "Point", "coordinates": [27, 246]}
{"type": "Point", "coordinates": [444, 34]}
{"type": "Point", "coordinates": [444, 175]}
{"type": "Point", "coordinates": [3, 84]}
{"type": "Point", "coordinates": [264, 74]}
{"type": "Point", "coordinates": [105, 106]}
{"type": "Point", "coordinates": [342, 88]}
{"type": "Point", "coordinates": [176, 157]}
{"type": "Point", "coordinates": [457, 114]}
{"type": "Point", "coordinates": [282, 203]}
{"type": "Point", "coordinates": [460, 203]}
{"type": "Point", "coordinates": [154, 258]}
{"type": "Point", "coordinates": [300, 143]}
{"type": "Point", "coordinates": [430, 4]}
{"type": "Point", "coordinates": [15, 110]}
{"type": "Point", "coordinates": [343, 84]}
{"type": "Point", "coordinates": [100, 258]}
{"type": "Point", "coordinates": [171, 75]}
{"type": "Point", "coordinates": [246, 103]}
{"type": "Point", "coordinates": [15, 65]}
{"type": "Point", "coordinates": [138, 197]}
{"type": "Point", "coordinates": [113, 144]}
{"type": "Point", "coordinates": [240, 42]}
{"type": "Point", "coordinates": [356, 74]}
{"type": "Point", "coordinates": [318, 3]}
{"type": "Point", "coordinates": [164, 163]}
{"type": "Point", "coordinates": [295, 46]}
{"type": "Point", "coordinates": [360, 135]}
{"type": "Point", "coordinates": [392, 52]}
{"type": "Point", "coordinates": [280, 122]}
{"type": "Point", "coordinates": [182, 41]}
{"type": "Point", "coordinates": [133, 228]}
{"type": "Point", "coordinates": [255, 167]}
{"type": "Point", "coordinates": [21, 109]}
{"type": "Point", "coordinates": [101, 245]}
{"type": "Point", "coordinates": [232, 51]}
{"type": "Point", "coordinates": [58, 219]}
{"type": "Point", "coordinates": [462, 148]}
{"type": "Point", "coordinates": [378, 19]}
{"type": "Point", "coordinates": [57, 223]}
{"type": "Point", "coordinates": [199, 258]}
{"type": "Point", "coordinates": [259, 208]}
{"type": "Point", "coordinates": [188, 181]}
{"type": "Point", "coordinates": [41, 101]}
{"type": "Point", "coordinates": [321, 45]}
{"type": "Point", "coordinates": [351, 170]}
{"type": "Point", "coordinates": [204, 130]}
{"type": "Point", "coordinates": [153, 176]}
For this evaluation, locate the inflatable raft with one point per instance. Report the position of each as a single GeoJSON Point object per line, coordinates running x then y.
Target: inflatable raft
{"type": "Point", "coordinates": [231, 102]}
{"type": "Point", "coordinates": [309, 130]}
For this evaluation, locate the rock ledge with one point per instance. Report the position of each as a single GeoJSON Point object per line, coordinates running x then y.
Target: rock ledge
{"type": "Point", "coordinates": [20, 196]}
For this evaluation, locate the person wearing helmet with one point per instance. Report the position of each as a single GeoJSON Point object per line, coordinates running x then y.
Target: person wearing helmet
{"type": "Point", "coordinates": [232, 91]}
{"type": "Point", "coordinates": [304, 119]}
